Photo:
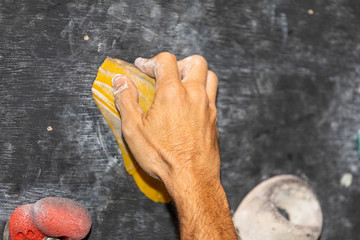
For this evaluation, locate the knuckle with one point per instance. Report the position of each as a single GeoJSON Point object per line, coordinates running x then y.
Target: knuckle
{"type": "Point", "coordinates": [213, 109]}
{"type": "Point", "coordinates": [213, 112]}
{"type": "Point", "coordinates": [198, 59]}
{"type": "Point", "coordinates": [166, 56]}
{"type": "Point", "coordinates": [199, 97]}
{"type": "Point", "coordinates": [126, 129]}
{"type": "Point", "coordinates": [196, 89]}
{"type": "Point", "coordinates": [172, 91]}
{"type": "Point", "coordinates": [212, 76]}
{"type": "Point", "coordinates": [129, 128]}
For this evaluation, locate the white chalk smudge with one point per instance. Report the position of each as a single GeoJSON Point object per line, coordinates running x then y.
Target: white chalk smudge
{"type": "Point", "coordinates": [101, 47]}
{"type": "Point", "coordinates": [68, 31]}
{"type": "Point", "coordinates": [113, 161]}
{"type": "Point", "coordinates": [254, 25]}
{"type": "Point", "coordinates": [119, 11]}
{"type": "Point", "coordinates": [113, 45]}
{"type": "Point", "coordinates": [346, 180]}
{"type": "Point", "coordinates": [271, 13]}
{"type": "Point", "coordinates": [282, 21]}
{"type": "Point", "coordinates": [121, 88]}
{"type": "Point", "coordinates": [148, 66]}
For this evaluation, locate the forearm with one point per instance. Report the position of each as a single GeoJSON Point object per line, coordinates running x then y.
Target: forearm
{"type": "Point", "coordinates": [202, 207]}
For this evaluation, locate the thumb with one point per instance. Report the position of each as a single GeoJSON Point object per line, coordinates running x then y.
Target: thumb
{"type": "Point", "coordinates": [126, 98]}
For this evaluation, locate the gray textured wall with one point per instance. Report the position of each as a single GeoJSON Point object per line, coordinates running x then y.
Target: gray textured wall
{"type": "Point", "coordinates": [288, 101]}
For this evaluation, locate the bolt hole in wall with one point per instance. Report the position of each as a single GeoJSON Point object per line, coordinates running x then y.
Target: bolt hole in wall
{"type": "Point", "coordinates": [283, 212]}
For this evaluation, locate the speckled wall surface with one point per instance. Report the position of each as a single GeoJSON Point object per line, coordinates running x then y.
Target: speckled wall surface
{"type": "Point", "coordinates": [288, 101]}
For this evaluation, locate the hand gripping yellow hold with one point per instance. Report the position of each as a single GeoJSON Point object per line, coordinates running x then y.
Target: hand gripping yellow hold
{"type": "Point", "coordinates": [102, 91]}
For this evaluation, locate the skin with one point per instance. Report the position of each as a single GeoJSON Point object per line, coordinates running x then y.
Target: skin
{"type": "Point", "coordinates": [176, 141]}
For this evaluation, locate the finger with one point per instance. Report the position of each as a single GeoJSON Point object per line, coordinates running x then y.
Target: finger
{"type": "Point", "coordinates": [211, 86]}
{"type": "Point", "coordinates": [126, 98]}
{"type": "Point", "coordinates": [163, 67]}
{"type": "Point", "coordinates": [193, 69]}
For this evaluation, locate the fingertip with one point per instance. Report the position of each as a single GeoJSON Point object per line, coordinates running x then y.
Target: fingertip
{"type": "Point", "coordinates": [119, 82]}
{"type": "Point", "coordinates": [117, 78]}
{"type": "Point", "coordinates": [126, 96]}
{"type": "Point", "coordinates": [212, 75]}
{"type": "Point", "coordinates": [140, 62]}
{"type": "Point", "coordinates": [163, 67]}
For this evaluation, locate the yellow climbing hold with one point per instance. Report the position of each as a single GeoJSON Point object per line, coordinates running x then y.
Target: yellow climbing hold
{"type": "Point", "coordinates": [102, 91]}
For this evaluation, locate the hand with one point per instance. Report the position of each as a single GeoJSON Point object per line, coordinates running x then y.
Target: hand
{"type": "Point", "coordinates": [178, 135]}
{"type": "Point", "coordinates": [177, 140]}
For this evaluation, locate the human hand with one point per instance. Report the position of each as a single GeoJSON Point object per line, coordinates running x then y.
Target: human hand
{"type": "Point", "coordinates": [177, 138]}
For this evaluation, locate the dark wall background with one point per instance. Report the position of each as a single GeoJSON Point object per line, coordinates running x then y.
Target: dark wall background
{"type": "Point", "coordinates": [288, 101]}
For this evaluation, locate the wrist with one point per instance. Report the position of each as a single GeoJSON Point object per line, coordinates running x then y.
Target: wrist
{"type": "Point", "coordinates": [193, 194]}
{"type": "Point", "coordinates": [195, 174]}
{"type": "Point", "coordinates": [194, 187]}
{"type": "Point", "coordinates": [188, 182]}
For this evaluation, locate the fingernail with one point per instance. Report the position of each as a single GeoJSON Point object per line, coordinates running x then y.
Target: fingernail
{"type": "Point", "coordinates": [119, 83]}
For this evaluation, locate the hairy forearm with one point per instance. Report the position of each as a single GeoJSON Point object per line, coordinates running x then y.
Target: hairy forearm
{"type": "Point", "coordinates": [202, 208]}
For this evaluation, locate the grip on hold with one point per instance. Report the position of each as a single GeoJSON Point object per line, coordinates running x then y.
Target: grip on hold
{"type": "Point", "coordinates": [102, 91]}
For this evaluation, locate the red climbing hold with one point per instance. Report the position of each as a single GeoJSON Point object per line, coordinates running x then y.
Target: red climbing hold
{"type": "Point", "coordinates": [21, 226]}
